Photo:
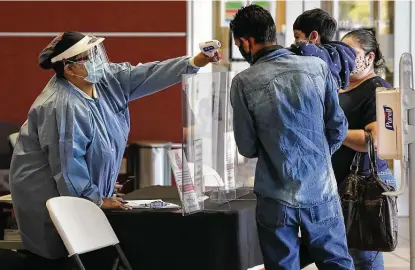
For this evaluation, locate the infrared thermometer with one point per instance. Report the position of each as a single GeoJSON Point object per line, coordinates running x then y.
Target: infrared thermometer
{"type": "Point", "coordinates": [210, 48]}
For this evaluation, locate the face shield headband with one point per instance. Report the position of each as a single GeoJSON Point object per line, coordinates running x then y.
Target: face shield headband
{"type": "Point", "coordinates": [90, 53]}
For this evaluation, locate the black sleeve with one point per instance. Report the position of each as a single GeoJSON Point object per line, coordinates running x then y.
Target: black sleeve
{"type": "Point", "coordinates": [188, 117]}
{"type": "Point", "coordinates": [368, 108]}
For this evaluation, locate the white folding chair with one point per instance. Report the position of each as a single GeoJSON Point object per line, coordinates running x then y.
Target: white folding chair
{"type": "Point", "coordinates": [13, 138]}
{"type": "Point", "coordinates": [210, 176]}
{"type": "Point", "coordinates": [83, 227]}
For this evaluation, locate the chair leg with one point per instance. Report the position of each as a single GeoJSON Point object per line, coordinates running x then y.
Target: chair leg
{"type": "Point", "coordinates": [116, 263]}
{"type": "Point", "coordinates": [122, 257]}
{"type": "Point", "coordinates": [79, 262]}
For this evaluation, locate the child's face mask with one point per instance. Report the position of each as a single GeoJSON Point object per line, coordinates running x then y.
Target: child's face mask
{"type": "Point", "coordinates": [302, 41]}
{"type": "Point", "coordinates": [300, 37]}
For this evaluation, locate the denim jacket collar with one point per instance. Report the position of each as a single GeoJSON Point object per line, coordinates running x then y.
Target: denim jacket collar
{"type": "Point", "coordinates": [270, 53]}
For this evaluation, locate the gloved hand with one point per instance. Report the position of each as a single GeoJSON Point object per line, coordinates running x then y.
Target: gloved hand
{"type": "Point", "coordinates": [114, 203]}
{"type": "Point", "coordinates": [117, 187]}
{"type": "Point", "coordinates": [202, 59]}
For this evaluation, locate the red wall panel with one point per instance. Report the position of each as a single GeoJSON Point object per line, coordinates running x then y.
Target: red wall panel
{"type": "Point", "coordinates": [93, 16]}
{"type": "Point", "coordinates": [156, 117]}
{"type": "Point", "coordinates": [144, 49]}
{"type": "Point", "coordinates": [22, 78]}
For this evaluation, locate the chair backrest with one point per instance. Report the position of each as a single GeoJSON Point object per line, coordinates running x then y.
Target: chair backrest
{"type": "Point", "coordinates": [13, 138]}
{"type": "Point", "coordinates": [81, 224]}
{"type": "Point", "coordinates": [210, 176]}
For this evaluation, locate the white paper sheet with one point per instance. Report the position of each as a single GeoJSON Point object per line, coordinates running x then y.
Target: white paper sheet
{"type": "Point", "coordinates": [184, 181]}
{"type": "Point", "coordinates": [145, 204]}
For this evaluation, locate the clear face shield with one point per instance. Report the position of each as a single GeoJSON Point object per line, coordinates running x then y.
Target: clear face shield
{"type": "Point", "coordinates": [90, 58]}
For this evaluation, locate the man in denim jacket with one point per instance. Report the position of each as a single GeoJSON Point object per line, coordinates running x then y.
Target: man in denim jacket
{"type": "Point", "coordinates": [287, 114]}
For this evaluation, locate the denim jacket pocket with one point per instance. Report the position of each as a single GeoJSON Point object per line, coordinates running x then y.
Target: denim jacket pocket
{"type": "Point", "coordinates": [326, 212]}
{"type": "Point", "coordinates": [270, 213]}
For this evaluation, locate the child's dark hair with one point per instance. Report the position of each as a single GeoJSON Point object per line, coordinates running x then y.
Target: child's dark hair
{"type": "Point", "coordinates": [368, 43]}
{"type": "Point", "coordinates": [316, 20]}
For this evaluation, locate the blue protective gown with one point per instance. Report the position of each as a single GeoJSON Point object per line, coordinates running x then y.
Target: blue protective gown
{"type": "Point", "coordinates": [72, 144]}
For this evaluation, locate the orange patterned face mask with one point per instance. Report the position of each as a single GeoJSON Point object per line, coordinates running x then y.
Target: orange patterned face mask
{"type": "Point", "coordinates": [362, 63]}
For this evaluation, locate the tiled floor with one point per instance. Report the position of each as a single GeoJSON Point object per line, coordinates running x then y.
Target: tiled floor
{"type": "Point", "coordinates": [399, 259]}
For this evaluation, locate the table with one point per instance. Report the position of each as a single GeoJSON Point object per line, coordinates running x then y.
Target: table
{"type": "Point", "coordinates": [4, 182]}
{"type": "Point", "coordinates": [6, 203]}
{"type": "Point", "coordinates": [162, 239]}
{"type": "Point", "coordinates": [165, 239]}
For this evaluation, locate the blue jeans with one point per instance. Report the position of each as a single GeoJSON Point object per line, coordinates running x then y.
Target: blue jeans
{"type": "Point", "coordinates": [322, 232]}
{"type": "Point", "coordinates": [363, 260]}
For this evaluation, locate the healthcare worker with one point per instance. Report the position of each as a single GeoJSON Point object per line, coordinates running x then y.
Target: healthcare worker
{"type": "Point", "coordinates": [77, 129]}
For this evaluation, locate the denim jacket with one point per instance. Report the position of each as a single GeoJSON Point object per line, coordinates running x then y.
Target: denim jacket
{"type": "Point", "coordinates": [287, 114]}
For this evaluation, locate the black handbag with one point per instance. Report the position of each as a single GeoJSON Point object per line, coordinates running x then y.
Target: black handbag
{"type": "Point", "coordinates": [370, 217]}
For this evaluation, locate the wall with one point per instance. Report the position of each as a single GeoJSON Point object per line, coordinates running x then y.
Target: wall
{"type": "Point", "coordinates": [200, 26]}
{"type": "Point", "coordinates": [27, 27]}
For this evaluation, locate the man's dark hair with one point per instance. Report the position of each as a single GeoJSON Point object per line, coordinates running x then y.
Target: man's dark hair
{"type": "Point", "coordinates": [316, 20]}
{"type": "Point", "coordinates": [256, 22]}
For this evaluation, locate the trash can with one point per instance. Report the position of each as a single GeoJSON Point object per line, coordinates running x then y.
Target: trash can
{"type": "Point", "coordinates": [149, 163]}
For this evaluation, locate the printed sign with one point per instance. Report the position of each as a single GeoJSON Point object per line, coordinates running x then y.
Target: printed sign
{"type": "Point", "coordinates": [229, 9]}
{"type": "Point", "coordinates": [184, 181]}
{"type": "Point", "coordinates": [230, 151]}
{"type": "Point", "coordinates": [268, 5]}
{"type": "Point", "coordinates": [198, 171]}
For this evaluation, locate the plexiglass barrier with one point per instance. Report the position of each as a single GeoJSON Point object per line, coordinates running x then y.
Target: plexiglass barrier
{"type": "Point", "coordinates": [211, 172]}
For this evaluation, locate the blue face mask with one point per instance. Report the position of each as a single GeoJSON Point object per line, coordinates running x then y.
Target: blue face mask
{"type": "Point", "coordinates": [95, 71]}
{"type": "Point", "coordinates": [302, 41]}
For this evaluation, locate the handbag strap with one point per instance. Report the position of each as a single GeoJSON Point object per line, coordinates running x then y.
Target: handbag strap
{"type": "Point", "coordinates": [354, 167]}
{"type": "Point", "coordinates": [370, 142]}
